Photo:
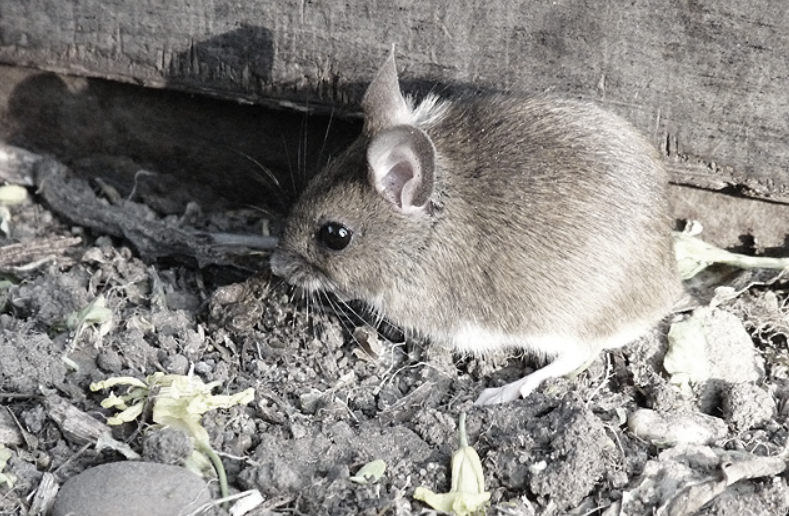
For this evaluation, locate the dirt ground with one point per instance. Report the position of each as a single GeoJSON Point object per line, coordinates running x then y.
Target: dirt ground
{"type": "Point", "coordinates": [332, 393]}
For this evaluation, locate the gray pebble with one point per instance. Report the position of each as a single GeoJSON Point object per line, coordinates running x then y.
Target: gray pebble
{"type": "Point", "coordinates": [673, 428]}
{"type": "Point", "coordinates": [109, 361]}
{"type": "Point", "coordinates": [167, 446]}
{"type": "Point", "coordinates": [747, 406]}
{"type": "Point", "coordinates": [131, 489]}
{"type": "Point", "coordinates": [177, 364]}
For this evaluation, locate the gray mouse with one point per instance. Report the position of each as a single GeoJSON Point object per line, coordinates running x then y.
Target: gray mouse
{"type": "Point", "coordinates": [491, 222]}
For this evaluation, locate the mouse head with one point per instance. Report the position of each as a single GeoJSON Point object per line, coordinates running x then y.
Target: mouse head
{"type": "Point", "coordinates": [358, 224]}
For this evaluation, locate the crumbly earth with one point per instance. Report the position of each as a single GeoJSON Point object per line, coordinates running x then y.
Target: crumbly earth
{"type": "Point", "coordinates": [332, 395]}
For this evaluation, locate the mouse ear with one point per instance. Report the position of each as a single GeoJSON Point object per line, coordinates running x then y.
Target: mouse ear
{"type": "Point", "coordinates": [402, 162]}
{"type": "Point", "coordinates": [383, 104]}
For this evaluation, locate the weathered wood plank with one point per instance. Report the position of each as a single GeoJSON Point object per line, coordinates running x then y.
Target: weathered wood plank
{"type": "Point", "coordinates": [704, 78]}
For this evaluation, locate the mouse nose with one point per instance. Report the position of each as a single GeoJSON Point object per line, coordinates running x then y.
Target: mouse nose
{"type": "Point", "coordinates": [282, 263]}
{"type": "Point", "coordinates": [296, 270]}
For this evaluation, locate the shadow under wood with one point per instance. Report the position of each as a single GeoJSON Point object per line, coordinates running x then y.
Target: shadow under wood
{"type": "Point", "coordinates": [199, 149]}
{"type": "Point", "coordinates": [733, 222]}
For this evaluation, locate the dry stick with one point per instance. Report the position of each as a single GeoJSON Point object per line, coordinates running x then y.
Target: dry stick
{"type": "Point", "coordinates": [73, 199]}
{"type": "Point", "coordinates": [36, 250]}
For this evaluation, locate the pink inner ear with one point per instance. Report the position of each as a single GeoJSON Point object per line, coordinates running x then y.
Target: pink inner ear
{"type": "Point", "coordinates": [394, 182]}
{"type": "Point", "coordinates": [398, 159]}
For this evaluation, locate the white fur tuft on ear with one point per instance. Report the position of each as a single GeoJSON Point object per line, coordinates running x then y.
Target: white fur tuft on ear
{"type": "Point", "coordinates": [383, 103]}
{"type": "Point", "coordinates": [402, 162]}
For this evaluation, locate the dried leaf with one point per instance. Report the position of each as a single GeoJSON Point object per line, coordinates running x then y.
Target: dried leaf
{"type": "Point", "coordinates": [370, 472]}
{"type": "Point", "coordinates": [247, 503]}
{"type": "Point", "coordinates": [5, 478]}
{"type": "Point", "coordinates": [180, 402]}
{"type": "Point", "coordinates": [686, 360]}
{"type": "Point", "coordinates": [117, 380]}
{"type": "Point", "coordinates": [694, 255]}
{"type": "Point", "coordinates": [467, 495]}
{"type": "Point", "coordinates": [12, 194]}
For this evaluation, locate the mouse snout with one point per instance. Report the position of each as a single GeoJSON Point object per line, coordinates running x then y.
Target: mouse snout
{"type": "Point", "coordinates": [297, 271]}
{"type": "Point", "coordinates": [282, 263]}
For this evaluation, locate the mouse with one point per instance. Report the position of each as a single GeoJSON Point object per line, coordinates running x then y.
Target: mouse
{"type": "Point", "coordinates": [491, 221]}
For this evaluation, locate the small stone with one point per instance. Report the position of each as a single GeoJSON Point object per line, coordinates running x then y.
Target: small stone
{"type": "Point", "coordinates": [177, 364]}
{"type": "Point", "coordinates": [731, 351]}
{"type": "Point", "coordinates": [132, 489]}
{"type": "Point", "coordinates": [330, 334]}
{"type": "Point", "coordinates": [109, 361]}
{"type": "Point", "coordinates": [10, 433]}
{"type": "Point", "coordinates": [672, 428]}
{"type": "Point", "coordinates": [34, 418]}
{"type": "Point", "coordinates": [167, 446]}
{"type": "Point", "coordinates": [746, 406]}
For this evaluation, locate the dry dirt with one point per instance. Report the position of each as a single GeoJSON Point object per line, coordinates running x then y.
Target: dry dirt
{"type": "Point", "coordinates": [332, 394]}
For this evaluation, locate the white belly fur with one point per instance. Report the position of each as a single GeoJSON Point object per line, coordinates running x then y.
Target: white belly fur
{"type": "Point", "coordinates": [474, 339]}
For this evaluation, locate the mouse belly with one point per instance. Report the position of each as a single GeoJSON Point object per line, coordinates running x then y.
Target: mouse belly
{"type": "Point", "coordinates": [478, 340]}
{"type": "Point", "coordinates": [568, 354]}
{"type": "Point", "coordinates": [475, 339]}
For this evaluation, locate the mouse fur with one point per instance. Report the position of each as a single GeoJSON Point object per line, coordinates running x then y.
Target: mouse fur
{"type": "Point", "coordinates": [492, 222]}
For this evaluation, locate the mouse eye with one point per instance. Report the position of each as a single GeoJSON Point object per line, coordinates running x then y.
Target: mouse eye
{"type": "Point", "coordinates": [334, 236]}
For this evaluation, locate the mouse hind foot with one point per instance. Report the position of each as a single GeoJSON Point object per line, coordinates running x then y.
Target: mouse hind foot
{"type": "Point", "coordinates": [563, 365]}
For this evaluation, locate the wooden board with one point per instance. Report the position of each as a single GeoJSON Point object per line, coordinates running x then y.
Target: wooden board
{"type": "Point", "coordinates": [705, 79]}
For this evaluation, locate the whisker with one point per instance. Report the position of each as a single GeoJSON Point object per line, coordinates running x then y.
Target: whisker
{"type": "Point", "coordinates": [290, 166]}
{"type": "Point", "coordinates": [261, 171]}
{"type": "Point", "coordinates": [318, 306]}
{"type": "Point", "coordinates": [347, 308]}
{"type": "Point", "coordinates": [326, 134]}
{"type": "Point", "coordinates": [302, 160]}
{"type": "Point", "coordinates": [364, 314]}
{"type": "Point", "coordinates": [266, 171]}
{"type": "Point", "coordinates": [260, 209]}
{"type": "Point", "coordinates": [344, 321]}
{"type": "Point", "coordinates": [307, 300]}
{"type": "Point", "coordinates": [292, 301]}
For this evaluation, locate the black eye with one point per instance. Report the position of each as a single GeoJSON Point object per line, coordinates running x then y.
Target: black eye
{"type": "Point", "coordinates": [335, 236]}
